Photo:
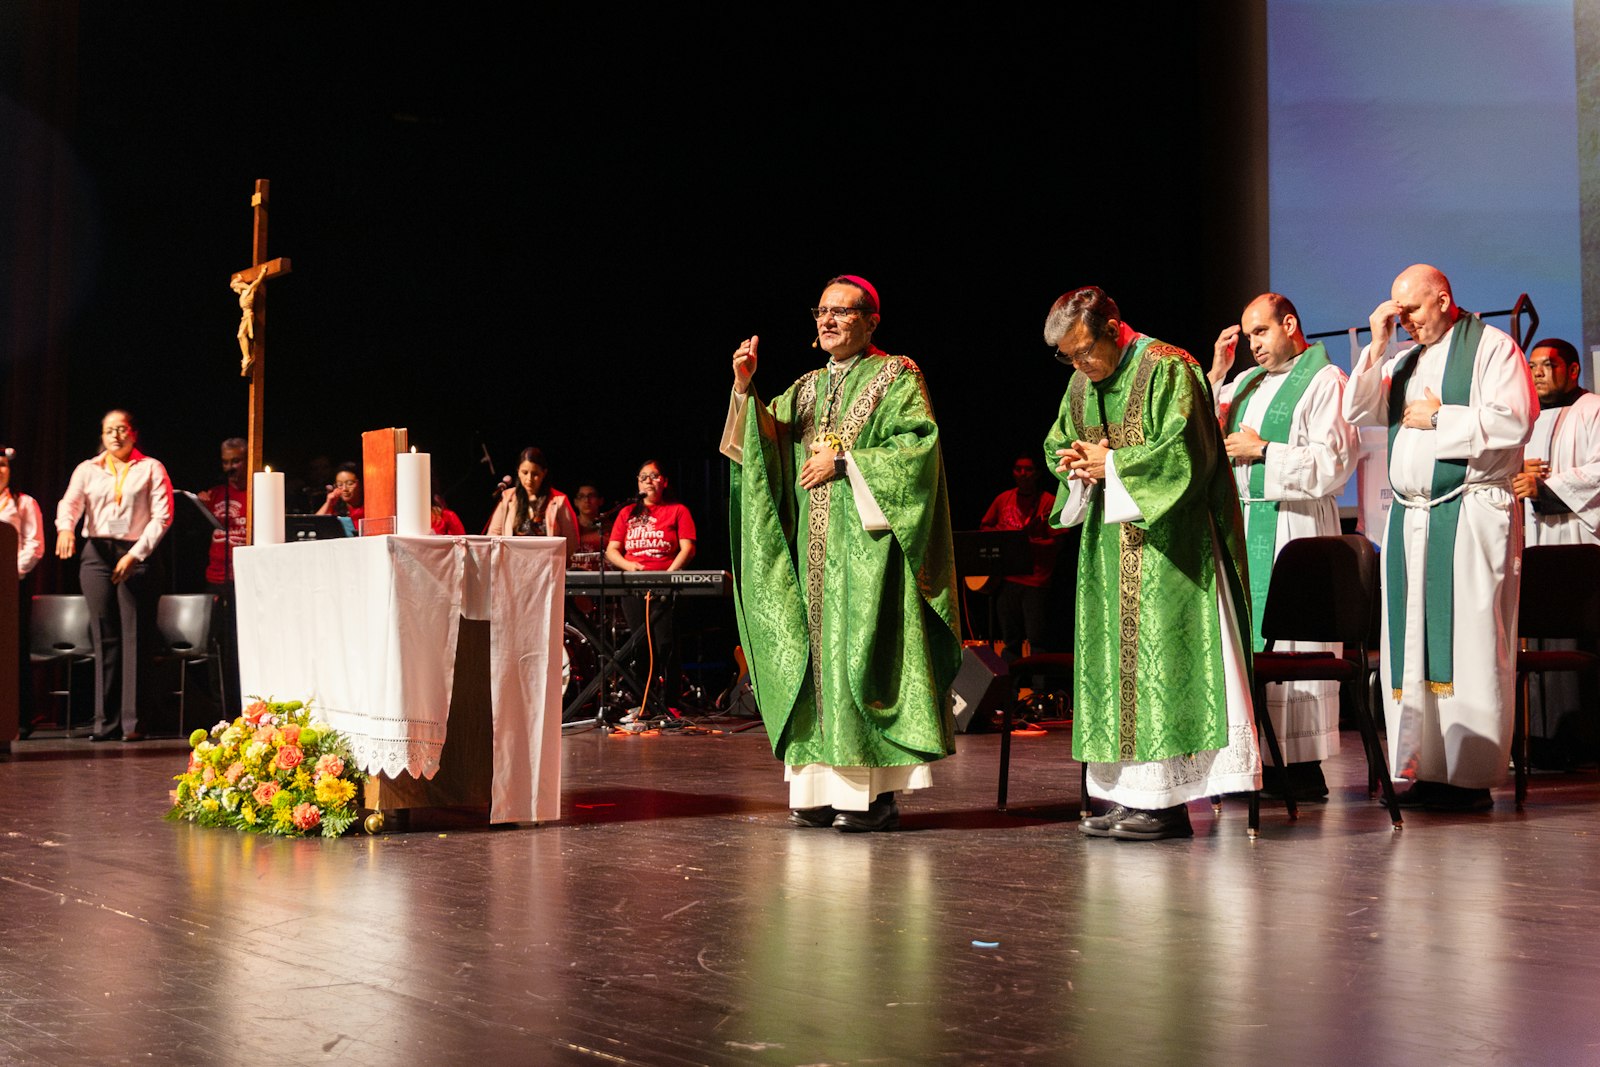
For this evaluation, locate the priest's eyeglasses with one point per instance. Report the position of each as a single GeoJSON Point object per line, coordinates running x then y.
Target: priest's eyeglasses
{"type": "Point", "coordinates": [842, 314]}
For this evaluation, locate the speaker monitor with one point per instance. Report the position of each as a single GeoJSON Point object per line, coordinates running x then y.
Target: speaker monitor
{"type": "Point", "coordinates": [980, 690]}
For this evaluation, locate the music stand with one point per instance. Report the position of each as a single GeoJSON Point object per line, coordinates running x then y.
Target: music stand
{"type": "Point", "coordinates": [992, 554]}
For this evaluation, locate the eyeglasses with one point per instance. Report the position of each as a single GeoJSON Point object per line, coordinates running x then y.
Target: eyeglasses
{"type": "Point", "coordinates": [1074, 358]}
{"type": "Point", "coordinates": [117, 431]}
{"type": "Point", "coordinates": [651, 477]}
{"type": "Point", "coordinates": [351, 484]}
{"type": "Point", "coordinates": [842, 314]}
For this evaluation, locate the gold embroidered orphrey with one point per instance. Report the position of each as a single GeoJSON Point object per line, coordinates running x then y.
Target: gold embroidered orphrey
{"type": "Point", "coordinates": [1130, 563]}
{"type": "Point", "coordinates": [818, 504]}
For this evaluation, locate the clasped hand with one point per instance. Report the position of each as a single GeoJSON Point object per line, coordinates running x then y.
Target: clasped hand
{"type": "Point", "coordinates": [1084, 461]}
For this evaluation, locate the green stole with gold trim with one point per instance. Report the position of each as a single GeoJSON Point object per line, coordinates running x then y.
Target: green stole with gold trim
{"type": "Point", "coordinates": [1261, 516]}
{"type": "Point", "coordinates": [1449, 475]}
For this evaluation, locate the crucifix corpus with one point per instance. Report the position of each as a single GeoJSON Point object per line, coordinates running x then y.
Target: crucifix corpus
{"type": "Point", "coordinates": [253, 336]}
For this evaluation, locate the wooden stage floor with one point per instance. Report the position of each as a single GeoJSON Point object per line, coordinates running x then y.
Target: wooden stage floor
{"type": "Point", "coordinates": [673, 917]}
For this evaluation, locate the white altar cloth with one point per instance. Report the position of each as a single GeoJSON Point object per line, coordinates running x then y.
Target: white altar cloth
{"type": "Point", "coordinates": [366, 628]}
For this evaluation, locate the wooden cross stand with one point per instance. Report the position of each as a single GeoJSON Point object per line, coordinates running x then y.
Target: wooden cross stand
{"type": "Point", "coordinates": [253, 338]}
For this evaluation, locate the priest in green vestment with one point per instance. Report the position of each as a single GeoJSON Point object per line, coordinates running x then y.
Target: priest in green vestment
{"type": "Point", "coordinates": [844, 572]}
{"type": "Point", "coordinates": [1162, 711]}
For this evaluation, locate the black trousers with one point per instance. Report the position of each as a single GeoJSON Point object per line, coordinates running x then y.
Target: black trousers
{"type": "Point", "coordinates": [225, 627]}
{"type": "Point", "coordinates": [662, 639]}
{"type": "Point", "coordinates": [1023, 611]}
{"type": "Point", "coordinates": [122, 621]}
{"type": "Point", "coordinates": [25, 712]}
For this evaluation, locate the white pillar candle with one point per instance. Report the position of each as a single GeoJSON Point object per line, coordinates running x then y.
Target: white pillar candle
{"type": "Point", "coordinates": [266, 523]}
{"type": "Point", "coordinates": [413, 504]}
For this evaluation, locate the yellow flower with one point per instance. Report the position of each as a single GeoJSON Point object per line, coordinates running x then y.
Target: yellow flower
{"type": "Point", "coordinates": [302, 778]}
{"type": "Point", "coordinates": [248, 814]}
{"type": "Point", "coordinates": [334, 792]}
{"type": "Point", "coordinates": [210, 804]}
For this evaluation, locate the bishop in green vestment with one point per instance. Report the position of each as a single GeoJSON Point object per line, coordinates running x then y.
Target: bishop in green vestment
{"type": "Point", "coordinates": [844, 570]}
{"type": "Point", "coordinates": [1162, 694]}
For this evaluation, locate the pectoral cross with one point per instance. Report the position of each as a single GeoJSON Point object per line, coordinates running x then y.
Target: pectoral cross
{"type": "Point", "coordinates": [253, 335]}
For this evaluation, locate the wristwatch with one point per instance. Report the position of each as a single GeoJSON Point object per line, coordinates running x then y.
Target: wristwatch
{"type": "Point", "coordinates": [1264, 445]}
{"type": "Point", "coordinates": [1433, 420]}
{"type": "Point", "coordinates": [839, 469]}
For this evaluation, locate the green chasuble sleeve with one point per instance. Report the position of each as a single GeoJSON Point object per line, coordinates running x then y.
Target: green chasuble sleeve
{"type": "Point", "coordinates": [851, 635]}
{"type": "Point", "coordinates": [1149, 680]}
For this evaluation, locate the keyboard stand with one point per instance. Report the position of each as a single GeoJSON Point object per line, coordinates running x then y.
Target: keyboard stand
{"type": "Point", "coordinates": [613, 664]}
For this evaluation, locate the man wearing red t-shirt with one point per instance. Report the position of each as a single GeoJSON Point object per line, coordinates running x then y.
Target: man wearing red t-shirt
{"type": "Point", "coordinates": [227, 502]}
{"type": "Point", "coordinates": [1023, 600]}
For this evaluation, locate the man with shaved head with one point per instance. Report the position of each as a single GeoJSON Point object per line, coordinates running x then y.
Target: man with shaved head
{"type": "Point", "coordinates": [1459, 404]}
{"type": "Point", "coordinates": [1291, 451]}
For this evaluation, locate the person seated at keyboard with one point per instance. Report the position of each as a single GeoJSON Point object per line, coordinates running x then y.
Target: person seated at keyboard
{"type": "Point", "coordinates": [655, 534]}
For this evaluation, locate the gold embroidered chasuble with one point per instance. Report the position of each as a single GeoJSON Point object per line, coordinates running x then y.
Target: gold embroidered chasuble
{"type": "Point", "coordinates": [864, 620]}
{"type": "Point", "coordinates": [1149, 679]}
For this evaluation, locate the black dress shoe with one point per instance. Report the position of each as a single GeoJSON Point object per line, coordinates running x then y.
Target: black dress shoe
{"type": "Point", "coordinates": [129, 739]}
{"type": "Point", "coordinates": [812, 818]}
{"type": "Point", "coordinates": [882, 814]}
{"type": "Point", "coordinates": [1418, 796]}
{"type": "Point", "coordinates": [1100, 825]}
{"type": "Point", "coordinates": [1446, 797]}
{"type": "Point", "coordinates": [109, 735]}
{"type": "Point", "coordinates": [1140, 825]}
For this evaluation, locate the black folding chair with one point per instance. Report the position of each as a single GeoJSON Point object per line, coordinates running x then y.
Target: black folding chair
{"type": "Point", "coordinates": [1560, 600]}
{"type": "Point", "coordinates": [1323, 589]}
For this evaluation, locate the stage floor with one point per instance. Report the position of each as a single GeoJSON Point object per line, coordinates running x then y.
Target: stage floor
{"type": "Point", "coordinates": [674, 917]}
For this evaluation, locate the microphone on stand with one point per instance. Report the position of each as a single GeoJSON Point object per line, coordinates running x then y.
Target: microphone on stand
{"type": "Point", "coordinates": [501, 486]}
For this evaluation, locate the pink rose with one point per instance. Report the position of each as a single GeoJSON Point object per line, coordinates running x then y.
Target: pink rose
{"type": "Point", "coordinates": [289, 757]}
{"type": "Point", "coordinates": [306, 816]}
{"type": "Point", "coordinates": [265, 792]}
{"type": "Point", "coordinates": [234, 772]}
{"type": "Point", "coordinates": [329, 766]}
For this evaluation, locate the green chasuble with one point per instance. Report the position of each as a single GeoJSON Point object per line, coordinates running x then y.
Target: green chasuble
{"type": "Point", "coordinates": [851, 636]}
{"type": "Point", "coordinates": [1149, 681]}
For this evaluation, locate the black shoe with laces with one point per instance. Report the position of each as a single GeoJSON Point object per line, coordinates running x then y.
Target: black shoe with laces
{"type": "Point", "coordinates": [1100, 825]}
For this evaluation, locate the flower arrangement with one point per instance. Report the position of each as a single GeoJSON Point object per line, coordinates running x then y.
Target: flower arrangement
{"type": "Point", "coordinates": [273, 770]}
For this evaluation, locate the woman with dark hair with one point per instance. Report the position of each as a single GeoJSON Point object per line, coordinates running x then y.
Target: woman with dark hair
{"type": "Point", "coordinates": [656, 534]}
{"type": "Point", "coordinates": [22, 512]}
{"type": "Point", "coordinates": [532, 508]}
{"type": "Point", "coordinates": [124, 498]}
{"type": "Point", "coordinates": [344, 499]}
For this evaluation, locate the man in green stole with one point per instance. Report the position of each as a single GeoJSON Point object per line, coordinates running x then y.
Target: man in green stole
{"type": "Point", "coordinates": [844, 570]}
{"type": "Point", "coordinates": [1162, 710]}
{"type": "Point", "coordinates": [1292, 453]}
{"type": "Point", "coordinates": [1459, 405]}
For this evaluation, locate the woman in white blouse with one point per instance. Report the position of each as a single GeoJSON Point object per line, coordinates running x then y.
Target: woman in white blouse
{"type": "Point", "coordinates": [22, 512]}
{"type": "Point", "coordinates": [125, 501]}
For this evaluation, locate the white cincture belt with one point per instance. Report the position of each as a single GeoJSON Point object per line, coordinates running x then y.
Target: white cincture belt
{"type": "Point", "coordinates": [1433, 502]}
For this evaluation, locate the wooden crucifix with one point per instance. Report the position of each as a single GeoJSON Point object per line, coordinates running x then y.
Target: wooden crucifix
{"type": "Point", "coordinates": [253, 338]}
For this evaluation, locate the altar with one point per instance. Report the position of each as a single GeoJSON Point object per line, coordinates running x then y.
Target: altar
{"type": "Point", "coordinates": [439, 658]}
